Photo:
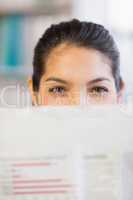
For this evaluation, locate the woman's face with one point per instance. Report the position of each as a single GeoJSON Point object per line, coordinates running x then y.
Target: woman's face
{"type": "Point", "coordinates": [76, 75]}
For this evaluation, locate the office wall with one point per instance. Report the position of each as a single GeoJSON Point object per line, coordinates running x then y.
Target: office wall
{"type": "Point", "coordinates": [29, 21]}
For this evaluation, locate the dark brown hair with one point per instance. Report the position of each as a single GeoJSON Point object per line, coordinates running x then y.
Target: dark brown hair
{"type": "Point", "coordinates": [81, 34]}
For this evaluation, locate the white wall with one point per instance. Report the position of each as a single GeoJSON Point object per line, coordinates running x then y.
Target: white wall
{"type": "Point", "coordinates": [90, 10]}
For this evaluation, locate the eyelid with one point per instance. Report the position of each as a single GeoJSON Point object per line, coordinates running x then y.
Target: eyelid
{"type": "Point", "coordinates": [57, 86]}
{"type": "Point", "coordinates": [99, 87]}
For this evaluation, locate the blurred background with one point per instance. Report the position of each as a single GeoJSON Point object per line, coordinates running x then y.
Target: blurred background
{"type": "Point", "coordinates": [22, 22]}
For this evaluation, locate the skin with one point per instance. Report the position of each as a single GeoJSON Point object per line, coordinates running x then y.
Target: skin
{"type": "Point", "coordinates": [74, 76]}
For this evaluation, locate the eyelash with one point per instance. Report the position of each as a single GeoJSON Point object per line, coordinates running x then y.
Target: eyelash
{"type": "Point", "coordinates": [99, 90]}
{"type": "Point", "coordinates": [51, 90]}
{"type": "Point", "coordinates": [95, 90]}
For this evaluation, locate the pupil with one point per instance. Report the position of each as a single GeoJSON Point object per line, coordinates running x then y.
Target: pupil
{"type": "Point", "coordinates": [59, 89]}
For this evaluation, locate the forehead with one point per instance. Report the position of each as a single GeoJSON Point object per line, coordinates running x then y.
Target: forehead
{"type": "Point", "coordinates": [77, 63]}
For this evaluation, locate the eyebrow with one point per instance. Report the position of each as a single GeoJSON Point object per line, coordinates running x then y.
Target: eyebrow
{"type": "Point", "coordinates": [57, 80]}
{"type": "Point", "coordinates": [98, 80]}
{"type": "Point", "coordinates": [89, 82]}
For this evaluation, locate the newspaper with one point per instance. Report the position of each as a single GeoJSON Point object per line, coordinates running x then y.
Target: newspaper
{"type": "Point", "coordinates": [55, 155]}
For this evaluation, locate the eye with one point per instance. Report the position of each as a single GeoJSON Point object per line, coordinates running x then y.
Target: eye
{"type": "Point", "coordinates": [57, 90]}
{"type": "Point", "coordinates": [99, 91]}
